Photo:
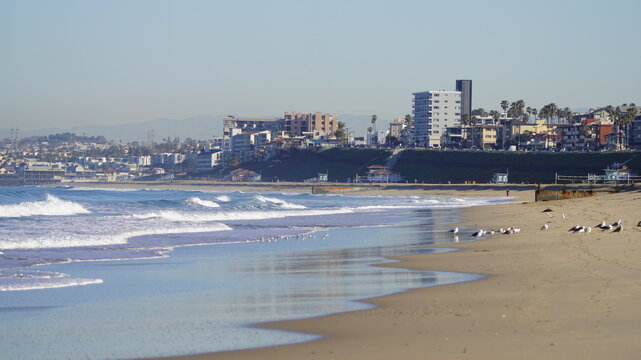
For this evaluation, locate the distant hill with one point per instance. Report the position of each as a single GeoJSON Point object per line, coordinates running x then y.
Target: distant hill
{"type": "Point", "coordinates": [198, 127]}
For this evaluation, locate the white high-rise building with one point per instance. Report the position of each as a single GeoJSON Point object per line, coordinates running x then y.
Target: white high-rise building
{"type": "Point", "coordinates": [434, 111]}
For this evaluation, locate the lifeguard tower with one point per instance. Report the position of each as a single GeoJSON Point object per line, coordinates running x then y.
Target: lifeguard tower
{"type": "Point", "coordinates": [500, 178]}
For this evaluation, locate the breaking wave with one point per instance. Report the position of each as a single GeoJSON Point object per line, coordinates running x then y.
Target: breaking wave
{"type": "Point", "coordinates": [78, 240]}
{"type": "Point", "coordinates": [51, 206]}
{"type": "Point", "coordinates": [280, 203]}
{"type": "Point", "coordinates": [223, 198]}
{"type": "Point", "coordinates": [206, 203]}
{"type": "Point", "coordinates": [171, 215]}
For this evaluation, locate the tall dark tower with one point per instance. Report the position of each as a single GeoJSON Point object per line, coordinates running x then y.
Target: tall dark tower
{"type": "Point", "coordinates": [465, 87]}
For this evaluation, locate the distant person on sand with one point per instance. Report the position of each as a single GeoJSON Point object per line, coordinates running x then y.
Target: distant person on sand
{"type": "Point", "coordinates": [507, 192]}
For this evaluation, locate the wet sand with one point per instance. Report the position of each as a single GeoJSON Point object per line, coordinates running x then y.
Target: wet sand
{"type": "Point", "coordinates": [547, 295]}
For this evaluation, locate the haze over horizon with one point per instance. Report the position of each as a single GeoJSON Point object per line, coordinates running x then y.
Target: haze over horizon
{"type": "Point", "coordinates": [69, 64]}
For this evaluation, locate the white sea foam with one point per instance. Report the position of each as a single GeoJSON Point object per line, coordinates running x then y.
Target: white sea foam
{"type": "Point", "coordinates": [88, 188]}
{"type": "Point", "coordinates": [172, 215]}
{"type": "Point", "coordinates": [51, 206]}
{"type": "Point", "coordinates": [36, 284]}
{"type": "Point", "coordinates": [223, 198]}
{"type": "Point", "coordinates": [102, 239]}
{"type": "Point", "coordinates": [201, 202]}
{"type": "Point", "coordinates": [281, 203]}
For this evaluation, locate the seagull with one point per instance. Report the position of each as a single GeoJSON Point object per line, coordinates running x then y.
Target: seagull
{"type": "Point", "coordinates": [588, 229]}
{"type": "Point", "coordinates": [508, 231]}
{"type": "Point", "coordinates": [617, 223]}
{"type": "Point", "coordinates": [575, 228]}
{"type": "Point", "coordinates": [479, 233]}
{"type": "Point", "coordinates": [618, 229]}
{"type": "Point", "coordinates": [454, 231]}
{"type": "Point", "coordinates": [491, 232]}
{"type": "Point", "coordinates": [516, 230]}
{"type": "Point", "coordinates": [606, 227]}
{"type": "Point", "coordinates": [639, 224]}
{"type": "Point", "coordinates": [501, 230]}
{"type": "Point", "coordinates": [601, 225]}
{"type": "Point", "coordinates": [544, 227]}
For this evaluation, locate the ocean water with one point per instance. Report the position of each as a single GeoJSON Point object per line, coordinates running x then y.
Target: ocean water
{"type": "Point", "coordinates": [110, 274]}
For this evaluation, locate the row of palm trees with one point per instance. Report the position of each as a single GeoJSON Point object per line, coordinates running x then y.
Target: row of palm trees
{"type": "Point", "coordinates": [622, 120]}
{"type": "Point", "coordinates": [552, 113]}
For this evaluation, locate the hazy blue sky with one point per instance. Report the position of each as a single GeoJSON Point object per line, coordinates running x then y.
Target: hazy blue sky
{"type": "Point", "coordinates": [69, 63]}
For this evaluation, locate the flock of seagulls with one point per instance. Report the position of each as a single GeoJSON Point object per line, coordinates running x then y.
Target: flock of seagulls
{"type": "Point", "coordinates": [617, 226]}
{"type": "Point", "coordinates": [580, 229]}
{"type": "Point", "coordinates": [481, 232]}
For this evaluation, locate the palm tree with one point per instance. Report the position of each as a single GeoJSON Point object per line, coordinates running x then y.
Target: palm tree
{"type": "Point", "coordinates": [466, 119]}
{"type": "Point", "coordinates": [504, 105]}
{"type": "Point", "coordinates": [548, 112]}
{"type": "Point", "coordinates": [626, 121]}
{"type": "Point", "coordinates": [528, 110]}
{"type": "Point", "coordinates": [615, 117]}
{"type": "Point", "coordinates": [341, 133]}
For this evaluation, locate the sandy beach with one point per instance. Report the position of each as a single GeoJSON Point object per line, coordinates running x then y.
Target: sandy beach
{"type": "Point", "coordinates": [547, 294]}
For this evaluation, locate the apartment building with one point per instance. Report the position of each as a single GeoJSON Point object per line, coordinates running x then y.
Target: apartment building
{"type": "Point", "coordinates": [231, 123]}
{"type": "Point", "coordinates": [434, 111]}
{"type": "Point", "coordinates": [299, 123]}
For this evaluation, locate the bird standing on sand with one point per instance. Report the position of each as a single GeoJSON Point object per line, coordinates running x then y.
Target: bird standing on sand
{"type": "Point", "coordinates": [606, 227]}
{"type": "Point", "coordinates": [617, 223]}
{"type": "Point", "coordinates": [544, 227]}
{"type": "Point", "coordinates": [479, 233]}
{"type": "Point", "coordinates": [601, 225]}
{"type": "Point", "coordinates": [454, 231]}
{"type": "Point", "coordinates": [639, 224]}
{"type": "Point", "coordinates": [618, 229]}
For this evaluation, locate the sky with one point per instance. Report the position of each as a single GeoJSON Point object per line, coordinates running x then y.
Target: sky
{"type": "Point", "coordinates": [71, 63]}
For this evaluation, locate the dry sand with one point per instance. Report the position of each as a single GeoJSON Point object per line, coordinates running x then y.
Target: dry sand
{"type": "Point", "coordinates": [547, 295]}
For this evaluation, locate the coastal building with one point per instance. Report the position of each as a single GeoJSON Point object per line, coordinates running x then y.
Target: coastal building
{"type": "Point", "coordinates": [299, 123]}
{"type": "Point", "coordinates": [141, 160]}
{"type": "Point", "coordinates": [434, 111]}
{"type": "Point", "coordinates": [483, 137]}
{"type": "Point", "coordinates": [396, 127]}
{"type": "Point", "coordinates": [208, 159]}
{"type": "Point", "coordinates": [634, 129]}
{"type": "Point", "coordinates": [41, 171]}
{"type": "Point", "coordinates": [167, 159]}
{"type": "Point", "coordinates": [250, 125]}
{"type": "Point", "coordinates": [217, 142]}
{"type": "Point", "coordinates": [465, 87]}
{"type": "Point", "coordinates": [243, 175]}
{"type": "Point", "coordinates": [240, 147]}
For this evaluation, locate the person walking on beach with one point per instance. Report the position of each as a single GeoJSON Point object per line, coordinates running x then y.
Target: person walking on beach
{"type": "Point", "coordinates": [507, 192]}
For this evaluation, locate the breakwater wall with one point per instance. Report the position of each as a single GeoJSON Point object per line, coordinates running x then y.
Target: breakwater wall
{"type": "Point", "coordinates": [573, 191]}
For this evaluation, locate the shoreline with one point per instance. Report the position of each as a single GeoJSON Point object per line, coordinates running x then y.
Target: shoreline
{"type": "Point", "coordinates": [391, 189]}
{"type": "Point", "coordinates": [548, 294]}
